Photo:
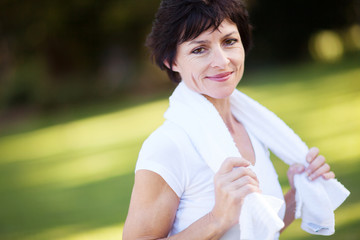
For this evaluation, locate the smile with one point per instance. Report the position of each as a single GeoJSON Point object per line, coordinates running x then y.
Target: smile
{"type": "Point", "coordinates": [222, 77]}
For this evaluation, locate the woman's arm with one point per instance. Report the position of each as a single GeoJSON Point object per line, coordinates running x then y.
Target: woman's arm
{"type": "Point", "coordinates": [154, 204]}
{"type": "Point", "coordinates": [317, 168]}
{"type": "Point", "coordinates": [152, 207]}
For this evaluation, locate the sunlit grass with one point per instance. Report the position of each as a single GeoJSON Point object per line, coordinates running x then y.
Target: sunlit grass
{"type": "Point", "coordinates": [53, 165]}
{"type": "Point", "coordinates": [97, 131]}
{"type": "Point", "coordinates": [92, 149]}
{"type": "Point", "coordinates": [325, 113]}
{"type": "Point", "coordinates": [108, 233]}
{"type": "Point", "coordinates": [73, 180]}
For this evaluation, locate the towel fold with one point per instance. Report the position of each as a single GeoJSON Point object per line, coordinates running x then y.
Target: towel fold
{"type": "Point", "coordinates": [315, 201]}
{"type": "Point", "coordinates": [259, 217]}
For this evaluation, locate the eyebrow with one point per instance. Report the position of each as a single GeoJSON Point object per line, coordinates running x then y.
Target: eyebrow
{"type": "Point", "coordinates": [206, 41]}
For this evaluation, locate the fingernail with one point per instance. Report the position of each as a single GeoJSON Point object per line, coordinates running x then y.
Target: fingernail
{"type": "Point", "coordinates": [310, 178]}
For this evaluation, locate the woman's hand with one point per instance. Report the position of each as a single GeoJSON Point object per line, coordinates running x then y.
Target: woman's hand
{"type": "Point", "coordinates": [233, 182]}
{"type": "Point", "coordinates": [317, 167]}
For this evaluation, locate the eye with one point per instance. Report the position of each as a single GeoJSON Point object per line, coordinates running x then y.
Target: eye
{"type": "Point", "coordinates": [230, 41]}
{"type": "Point", "coordinates": [198, 50]}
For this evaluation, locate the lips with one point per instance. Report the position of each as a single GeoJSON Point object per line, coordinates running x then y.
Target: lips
{"type": "Point", "coordinates": [221, 77]}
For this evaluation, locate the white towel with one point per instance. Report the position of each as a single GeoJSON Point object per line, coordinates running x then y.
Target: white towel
{"type": "Point", "coordinates": [315, 201]}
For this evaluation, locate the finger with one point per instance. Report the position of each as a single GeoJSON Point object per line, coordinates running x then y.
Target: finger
{"type": "Point", "coordinates": [328, 175]}
{"type": "Point", "coordinates": [238, 194]}
{"type": "Point", "coordinates": [241, 182]}
{"type": "Point", "coordinates": [294, 169]}
{"type": "Point", "coordinates": [315, 164]}
{"type": "Point", "coordinates": [312, 154]}
{"type": "Point", "coordinates": [325, 168]}
{"type": "Point", "coordinates": [237, 173]}
{"type": "Point", "coordinates": [247, 189]}
{"type": "Point", "coordinates": [230, 163]}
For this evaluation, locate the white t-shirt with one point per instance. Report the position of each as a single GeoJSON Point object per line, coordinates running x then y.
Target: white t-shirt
{"type": "Point", "coordinates": [169, 152]}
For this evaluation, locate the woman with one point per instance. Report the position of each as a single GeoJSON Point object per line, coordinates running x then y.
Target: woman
{"type": "Point", "coordinates": [202, 43]}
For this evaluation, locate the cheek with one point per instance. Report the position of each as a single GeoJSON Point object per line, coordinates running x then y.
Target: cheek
{"type": "Point", "coordinates": [197, 68]}
{"type": "Point", "coordinates": [240, 55]}
{"type": "Point", "coordinates": [238, 61]}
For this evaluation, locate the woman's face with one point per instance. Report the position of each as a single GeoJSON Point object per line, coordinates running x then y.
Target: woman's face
{"type": "Point", "coordinates": [213, 63]}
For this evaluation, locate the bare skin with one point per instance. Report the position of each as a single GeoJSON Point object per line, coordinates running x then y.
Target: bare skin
{"type": "Point", "coordinates": [236, 129]}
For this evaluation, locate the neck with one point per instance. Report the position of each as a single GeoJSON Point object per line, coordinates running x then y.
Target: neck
{"type": "Point", "coordinates": [223, 107]}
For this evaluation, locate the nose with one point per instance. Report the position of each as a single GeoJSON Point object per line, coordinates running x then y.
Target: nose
{"type": "Point", "coordinates": [219, 58]}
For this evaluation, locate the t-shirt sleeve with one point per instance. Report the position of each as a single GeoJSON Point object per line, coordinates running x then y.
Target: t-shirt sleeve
{"type": "Point", "coordinates": [160, 154]}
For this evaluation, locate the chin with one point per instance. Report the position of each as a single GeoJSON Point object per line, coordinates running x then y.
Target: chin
{"type": "Point", "coordinates": [222, 93]}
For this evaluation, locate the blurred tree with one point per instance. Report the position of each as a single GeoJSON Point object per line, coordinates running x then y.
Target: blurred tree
{"type": "Point", "coordinates": [73, 34]}
{"type": "Point", "coordinates": [75, 37]}
{"type": "Point", "coordinates": [282, 28]}
{"type": "Point", "coordinates": [88, 48]}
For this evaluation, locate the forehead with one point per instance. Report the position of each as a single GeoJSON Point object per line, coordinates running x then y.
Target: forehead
{"type": "Point", "coordinates": [194, 26]}
{"type": "Point", "coordinates": [225, 28]}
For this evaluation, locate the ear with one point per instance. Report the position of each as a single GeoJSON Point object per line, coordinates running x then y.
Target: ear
{"type": "Point", "coordinates": [174, 66]}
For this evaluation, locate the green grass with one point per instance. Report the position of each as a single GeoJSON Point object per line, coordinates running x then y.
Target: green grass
{"type": "Point", "coordinates": [70, 176]}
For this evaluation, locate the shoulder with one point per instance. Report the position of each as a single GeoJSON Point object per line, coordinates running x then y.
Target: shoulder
{"type": "Point", "coordinates": [167, 138]}
{"type": "Point", "coordinates": [165, 153]}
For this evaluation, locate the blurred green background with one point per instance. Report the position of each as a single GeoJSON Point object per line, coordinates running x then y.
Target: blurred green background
{"type": "Point", "coordinates": [79, 95]}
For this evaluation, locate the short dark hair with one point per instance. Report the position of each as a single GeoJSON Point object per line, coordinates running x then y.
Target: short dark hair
{"type": "Point", "coordinates": [178, 21]}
